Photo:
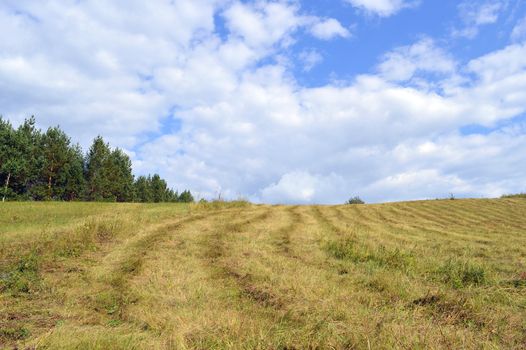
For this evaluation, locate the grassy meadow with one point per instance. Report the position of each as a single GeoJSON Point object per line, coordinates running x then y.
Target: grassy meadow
{"type": "Point", "coordinates": [444, 274]}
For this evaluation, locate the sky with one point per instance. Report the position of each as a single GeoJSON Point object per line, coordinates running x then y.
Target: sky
{"type": "Point", "coordinates": [282, 101]}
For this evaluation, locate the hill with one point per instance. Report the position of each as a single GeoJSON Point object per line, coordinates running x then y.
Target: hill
{"type": "Point", "coordinates": [430, 274]}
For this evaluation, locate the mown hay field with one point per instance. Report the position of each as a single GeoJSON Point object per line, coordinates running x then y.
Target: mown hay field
{"type": "Point", "coordinates": [445, 274]}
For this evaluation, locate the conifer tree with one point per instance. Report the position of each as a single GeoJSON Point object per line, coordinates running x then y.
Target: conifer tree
{"type": "Point", "coordinates": [186, 197]}
{"type": "Point", "coordinates": [143, 189]}
{"type": "Point", "coordinates": [120, 176]}
{"type": "Point", "coordinates": [159, 188]}
{"type": "Point", "coordinates": [7, 155]}
{"type": "Point", "coordinates": [74, 187]}
{"type": "Point", "coordinates": [97, 179]}
{"type": "Point", "coordinates": [56, 156]}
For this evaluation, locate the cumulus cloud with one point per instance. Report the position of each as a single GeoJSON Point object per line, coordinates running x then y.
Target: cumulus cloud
{"type": "Point", "coordinates": [310, 58]}
{"type": "Point", "coordinates": [244, 125]}
{"type": "Point", "coordinates": [475, 14]}
{"type": "Point", "coordinates": [262, 23]}
{"type": "Point", "coordinates": [519, 31]}
{"type": "Point", "coordinates": [382, 8]}
{"type": "Point", "coordinates": [328, 29]}
{"type": "Point", "coordinates": [424, 56]}
{"type": "Point", "coordinates": [303, 187]}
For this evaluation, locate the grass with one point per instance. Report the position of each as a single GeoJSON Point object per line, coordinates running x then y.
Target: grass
{"type": "Point", "coordinates": [434, 274]}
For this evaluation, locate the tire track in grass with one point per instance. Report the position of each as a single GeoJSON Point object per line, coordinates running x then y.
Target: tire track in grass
{"type": "Point", "coordinates": [258, 303]}
{"type": "Point", "coordinates": [434, 230]}
{"type": "Point", "coordinates": [446, 309]}
{"type": "Point", "coordinates": [260, 280]}
{"type": "Point", "coordinates": [497, 215]}
{"type": "Point", "coordinates": [391, 227]}
{"type": "Point", "coordinates": [216, 250]}
{"type": "Point", "coordinates": [282, 239]}
{"type": "Point", "coordinates": [115, 296]}
{"type": "Point", "coordinates": [325, 222]}
{"type": "Point", "coordinates": [450, 215]}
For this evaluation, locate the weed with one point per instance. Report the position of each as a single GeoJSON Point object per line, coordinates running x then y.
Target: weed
{"type": "Point", "coordinates": [23, 277]}
{"type": "Point", "coordinates": [14, 333]}
{"type": "Point", "coordinates": [460, 273]}
{"type": "Point", "coordinates": [349, 249]}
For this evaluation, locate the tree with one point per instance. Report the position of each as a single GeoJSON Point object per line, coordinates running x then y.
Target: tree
{"type": "Point", "coordinates": [19, 158]}
{"type": "Point", "coordinates": [159, 189]}
{"type": "Point", "coordinates": [7, 146]}
{"type": "Point", "coordinates": [56, 156]}
{"type": "Point", "coordinates": [46, 166]}
{"type": "Point", "coordinates": [143, 191]}
{"type": "Point", "coordinates": [74, 186]}
{"type": "Point", "coordinates": [186, 197]}
{"type": "Point", "coordinates": [119, 169]}
{"type": "Point", "coordinates": [97, 179]}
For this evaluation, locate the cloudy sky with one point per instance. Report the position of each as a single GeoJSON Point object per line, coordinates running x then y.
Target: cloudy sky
{"type": "Point", "coordinates": [282, 101]}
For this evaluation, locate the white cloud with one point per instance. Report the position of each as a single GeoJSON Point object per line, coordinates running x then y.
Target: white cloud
{"type": "Point", "coordinates": [247, 127]}
{"type": "Point", "coordinates": [475, 14]}
{"type": "Point", "coordinates": [328, 29]}
{"type": "Point", "coordinates": [310, 58]}
{"type": "Point", "coordinates": [382, 8]}
{"type": "Point", "coordinates": [424, 56]}
{"type": "Point", "coordinates": [519, 31]}
{"type": "Point", "coordinates": [262, 24]}
{"type": "Point", "coordinates": [303, 187]}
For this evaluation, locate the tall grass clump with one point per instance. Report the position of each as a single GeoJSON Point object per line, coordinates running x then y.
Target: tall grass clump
{"type": "Point", "coordinates": [461, 273]}
{"type": "Point", "coordinates": [23, 276]}
{"type": "Point", "coordinates": [349, 249]}
{"type": "Point", "coordinates": [84, 237]}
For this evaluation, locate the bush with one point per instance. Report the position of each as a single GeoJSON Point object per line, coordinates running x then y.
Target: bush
{"type": "Point", "coordinates": [355, 200]}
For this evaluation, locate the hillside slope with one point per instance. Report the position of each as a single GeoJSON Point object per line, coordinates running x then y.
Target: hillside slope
{"type": "Point", "coordinates": [432, 274]}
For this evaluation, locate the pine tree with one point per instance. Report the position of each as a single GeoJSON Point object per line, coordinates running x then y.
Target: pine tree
{"type": "Point", "coordinates": [56, 156]}
{"type": "Point", "coordinates": [143, 191]}
{"type": "Point", "coordinates": [20, 158]}
{"type": "Point", "coordinates": [159, 188]}
{"type": "Point", "coordinates": [186, 197]}
{"type": "Point", "coordinates": [74, 186]}
{"type": "Point", "coordinates": [97, 179]}
{"type": "Point", "coordinates": [46, 166]}
{"type": "Point", "coordinates": [120, 176]}
{"type": "Point", "coordinates": [7, 155]}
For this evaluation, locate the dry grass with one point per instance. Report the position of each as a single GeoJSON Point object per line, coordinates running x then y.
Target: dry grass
{"type": "Point", "coordinates": [433, 274]}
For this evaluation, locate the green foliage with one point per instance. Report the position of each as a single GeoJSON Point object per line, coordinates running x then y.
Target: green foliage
{"type": "Point", "coordinates": [355, 200]}
{"type": "Point", "coordinates": [23, 277]}
{"type": "Point", "coordinates": [518, 195]}
{"type": "Point", "coordinates": [46, 166]}
{"type": "Point", "coordinates": [14, 333]}
{"type": "Point", "coordinates": [143, 192]}
{"type": "Point", "coordinates": [460, 273]}
{"type": "Point", "coordinates": [186, 197]}
{"type": "Point", "coordinates": [349, 249]}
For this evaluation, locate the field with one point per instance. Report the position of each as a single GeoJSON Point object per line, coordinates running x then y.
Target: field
{"type": "Point", "coordinates": [444, 274]}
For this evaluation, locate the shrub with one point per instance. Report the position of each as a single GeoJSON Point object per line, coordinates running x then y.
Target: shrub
{"type": "Point", "coordinates": [355, 200]}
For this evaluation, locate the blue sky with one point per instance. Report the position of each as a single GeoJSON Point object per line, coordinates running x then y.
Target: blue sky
{"type": "Point", "coordinates": [283, 101]}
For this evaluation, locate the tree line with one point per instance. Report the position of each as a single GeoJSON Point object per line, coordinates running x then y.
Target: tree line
{"type": "Point", "coordinates": [37, 165]}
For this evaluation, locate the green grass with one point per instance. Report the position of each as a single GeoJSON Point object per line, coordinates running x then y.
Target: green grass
{"type": "Point", "coordinates": [432, 274]}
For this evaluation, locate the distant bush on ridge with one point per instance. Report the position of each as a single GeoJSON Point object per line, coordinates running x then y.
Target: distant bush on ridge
{"type": "Point", "coordinates": [355, 200]}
